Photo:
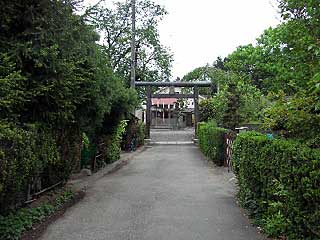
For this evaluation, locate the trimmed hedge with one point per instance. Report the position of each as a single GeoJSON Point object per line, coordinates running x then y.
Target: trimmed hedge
{"type": "Point", "coordinates": [279, 184]}
{"type": "Point", "coordinates": [211, 141]}
{"type": "Point", "coordinates": [30, 160]}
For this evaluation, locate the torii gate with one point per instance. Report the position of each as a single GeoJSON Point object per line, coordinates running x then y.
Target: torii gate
{"type": "Point", "coordinates": [195, 96]}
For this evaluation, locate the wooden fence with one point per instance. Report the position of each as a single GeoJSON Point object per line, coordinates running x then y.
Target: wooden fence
{"type": "Point", "coordinates": [228, 140]}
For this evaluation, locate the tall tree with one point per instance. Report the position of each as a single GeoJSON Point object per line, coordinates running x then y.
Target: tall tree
{"type": "Point", "coordinates": [216, 73]}
{"type": "Point", "coordinates": [285, 65]}
{"type": "Point", "coordinates": [52, 71]}
{"type": "Point", "coordinates": [152, 58]}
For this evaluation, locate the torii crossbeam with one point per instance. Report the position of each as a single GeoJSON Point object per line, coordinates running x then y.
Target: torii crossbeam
{"type": "Point", "coordinates": [195, 95]}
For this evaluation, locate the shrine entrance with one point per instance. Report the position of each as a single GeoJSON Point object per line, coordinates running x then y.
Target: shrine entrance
{"type": "Point", "coordinates": [166, 114]}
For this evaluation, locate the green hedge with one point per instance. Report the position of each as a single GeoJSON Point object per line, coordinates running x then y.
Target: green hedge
{"type": "Point", "coordinates": [279, 184]}
{"type": "Point", "coordinates": [211, 141]}
{"type": "Point", "coordinates": [30, 160]}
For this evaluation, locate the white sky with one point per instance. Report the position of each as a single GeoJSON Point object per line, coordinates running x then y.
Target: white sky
{"type": "Point", "coordinates": [198, 31]}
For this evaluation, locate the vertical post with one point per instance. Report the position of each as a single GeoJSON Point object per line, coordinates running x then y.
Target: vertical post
{"type": "Point", "coordinates": [196, 109]}
{"type": "Point", "coordinates": [169, 116]}
{"type": "Point", "coordinates": [155, 117]}
{"type": "Point", "coordinates": [148, 113]}
{"type": "Point", "coordinates": [163, 110]}
{"type": "Point", "coordinates": [133, 44]}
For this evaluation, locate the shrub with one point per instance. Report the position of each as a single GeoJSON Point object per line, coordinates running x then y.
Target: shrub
{"type": "Point", "coordinates": [279, 184]}
{"type": "Point", "coordinates": [112, 142]}
{"type": "Point", "coordinates": [211, 141]}
{"type": "Point", "coordinates": [29, 161]}
{"type": "Point", "coordinates": [14, 224]}
{"type": "Point", "coordinates": [134, 135]}
{"type": "Point", "coordinates": [140, 134]}
{"type": "Point", "coordinates": [88, 151]}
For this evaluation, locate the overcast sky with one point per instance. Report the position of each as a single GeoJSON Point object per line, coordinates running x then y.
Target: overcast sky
{"type": "Point", "coordinates": [198, 31]}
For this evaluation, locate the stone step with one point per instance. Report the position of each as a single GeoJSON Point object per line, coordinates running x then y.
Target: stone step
{"type": "Point", "coordinates": [172, 143]}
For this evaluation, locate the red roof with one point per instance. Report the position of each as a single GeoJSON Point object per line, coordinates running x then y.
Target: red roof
{"type": "Point", "coordinates": [160, 101]}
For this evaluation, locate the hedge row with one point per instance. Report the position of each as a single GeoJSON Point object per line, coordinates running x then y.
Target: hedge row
{"type": "Point", "coordinates": [31, 160]}
{"type": "Point", "coordinates": [279, 184]}
{"type": "Point", "coordinates": [211, 141]}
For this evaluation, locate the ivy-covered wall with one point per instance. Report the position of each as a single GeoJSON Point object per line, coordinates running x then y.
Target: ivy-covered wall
{"type": "Point", "coordinates": [112, 147]}
{"type": "Point", "coordinates": [279, 184]}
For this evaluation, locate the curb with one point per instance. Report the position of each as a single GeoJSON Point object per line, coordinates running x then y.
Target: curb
{"type": "Point", "coordinates": [79, 186]}
{"type": "Point", "coordinates": [39, 228]}
{"type": "Point", "coordinates": [84, 182]}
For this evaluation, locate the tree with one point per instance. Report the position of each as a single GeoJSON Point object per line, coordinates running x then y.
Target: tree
{"type": "Point", "coordinates": [285, 57]}
{"type": "Point", "coordinates": [12, 83]}
{"type": "Point", "coordinates": [216, 73]}
{"type": "Point", "coordinates": [55, 84]}
{"type": "Point", "coordinates": [249, 61]}
{"type": "Point", "coordinates": [237, 97]}
{"type": "Point", "coordinates": [53, 50]}
{"type": "Point", "coordinates": [219, 63]}
{"type": "Point", "coordinates": [285, 65]}
{"type": "Point", "coordinates": [153, 59]}
{"type": "Point", "coordinates": [231, 115]}
{"type": "Point", "coordinates": [58, 74]}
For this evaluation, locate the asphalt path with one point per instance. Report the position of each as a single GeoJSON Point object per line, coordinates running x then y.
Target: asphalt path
{"type": "Point", "coordinates": [168, 192]}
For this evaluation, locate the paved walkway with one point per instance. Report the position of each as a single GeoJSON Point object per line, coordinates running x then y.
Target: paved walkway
{"type": "Point", "coordinates": [165, 193]}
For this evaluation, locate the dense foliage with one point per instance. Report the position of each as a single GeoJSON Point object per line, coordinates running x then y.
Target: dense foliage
{"type": "Point", "coordinates": [236, 102]}
{"type": "Point", "coordinates": [211, 141]}
{"type": "Point", "coordinates": [134, 135]}
{"type": "Point", "coordinates": [30, 161]}
{"type": "Point", "coordinates": [280, 87]}
{"type": "Point", "coordinates": [285, 65]}
{"type": "Point", "coordinates": [112, 143]}
{"type": "Point", "coordinates": [153, 60]}
{"type": "Point", "coordinates": [13, 225]}
{"type": "Point", "coordinates": [55, 84]}
{"type": "Point", "coordinates": [279, 184]}
{"type": "Point", "coordinates": [282, 72]}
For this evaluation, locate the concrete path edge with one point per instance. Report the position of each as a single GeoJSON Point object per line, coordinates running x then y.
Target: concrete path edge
{"type": "Point", "coordinates": [84, 182]}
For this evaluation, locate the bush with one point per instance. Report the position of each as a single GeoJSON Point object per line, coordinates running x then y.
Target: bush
{"type": "Point", "coordinates": [141, 134]}
{"type": "Point", "coordinates": [237, 102]}
{"type": "Point", "coordinates": [211, 141]}
{"type": "Point", "coordinates": [30, 160]}
{"type": "Point", "coordinates": [112, 146]}
{"type": "Point", "coordinates": [134, 135]}
{"type": "Point", "coordinates": [14, 224]}
{"type": "Point", "coordinates": [88, 151]}
{"type": "Point", "coordinates": [279, 184]}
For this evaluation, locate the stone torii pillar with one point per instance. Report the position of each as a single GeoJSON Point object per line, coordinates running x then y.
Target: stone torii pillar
{"type": "Point", "coordinates": [148, 112]}
{"type": "Point", "coordinates": [196, 109]}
